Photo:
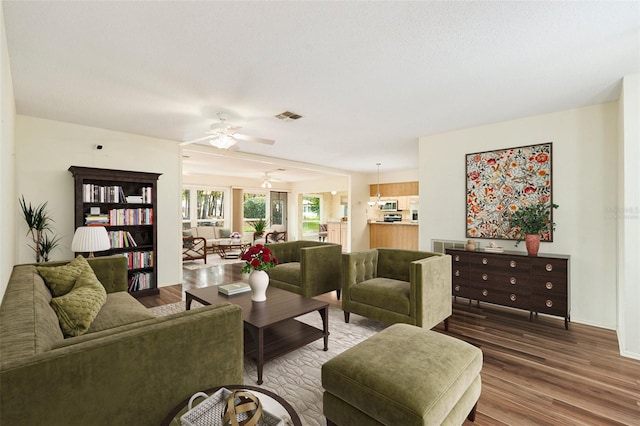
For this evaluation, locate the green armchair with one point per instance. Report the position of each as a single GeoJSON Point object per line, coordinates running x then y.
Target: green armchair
{"type": "Point", "coordinates": [308, 268]}
{"type": "Point", "coordinates": [397, 286]}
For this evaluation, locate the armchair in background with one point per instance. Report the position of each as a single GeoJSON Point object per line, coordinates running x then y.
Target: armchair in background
{"type": "Point", "coordinates": [397, 286]}
{"type": "Point", "coordinates": [194, 248]}
{"type": "Point", "coordinates": [322, 232]}
{"type": "Point", "coordinates": [304, 267]}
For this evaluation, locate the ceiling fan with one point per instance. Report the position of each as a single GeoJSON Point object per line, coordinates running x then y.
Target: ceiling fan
{"type": "Point", "coordinates": [223, 135]}
{"type": "Point", "coordinates": [267, 181]}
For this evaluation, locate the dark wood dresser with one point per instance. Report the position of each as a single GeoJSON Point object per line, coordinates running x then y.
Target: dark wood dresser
{"type": "Point", "coordinates": [535, 283]}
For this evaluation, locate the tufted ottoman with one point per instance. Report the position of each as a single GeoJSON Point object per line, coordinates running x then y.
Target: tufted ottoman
{"type": "Point", "coordinates": [404, 375]}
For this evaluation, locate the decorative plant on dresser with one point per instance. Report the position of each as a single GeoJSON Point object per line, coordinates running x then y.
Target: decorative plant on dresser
{"type": "Point", "coordinates": [530, 222]}
{"type": "Point", "coordinates": [125, 203]}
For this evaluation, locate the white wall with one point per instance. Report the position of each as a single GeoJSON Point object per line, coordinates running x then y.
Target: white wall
{"type": "Point", "coordinates": [628, 217]}
{"type": "Point", "coordinates": [584, 182]}
{"type": "Point", "coordinates": [44, 151]}
{"type": "Point", "coordinates": [7, 165]}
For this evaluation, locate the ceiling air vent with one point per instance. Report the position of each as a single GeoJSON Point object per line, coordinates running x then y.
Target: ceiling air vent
{"type": "Point", "coordinates": [288, 116]}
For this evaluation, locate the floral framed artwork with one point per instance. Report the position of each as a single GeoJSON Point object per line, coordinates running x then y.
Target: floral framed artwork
{"type": "Point", "coordinates": [503, 181]}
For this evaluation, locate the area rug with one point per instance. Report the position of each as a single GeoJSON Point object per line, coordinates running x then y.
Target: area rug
{"type": "Point", "coordinates": [212, 260]}
{"type": "Point", "coordinates": [296, 375]}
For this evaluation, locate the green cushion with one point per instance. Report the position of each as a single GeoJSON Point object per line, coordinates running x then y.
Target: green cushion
{"type": "Point", "coordinates": [77, 309]}
{"type": "Point", "coordinates": [385, 293]}
{"type": "Point", "coordinates": [61, 279]}
{"type": "Point", "coordinates": [287, 273]}
{"type": "Point", "coordinates": [120, 309]}
{"type": "Point", "coordinates": [224, 232]}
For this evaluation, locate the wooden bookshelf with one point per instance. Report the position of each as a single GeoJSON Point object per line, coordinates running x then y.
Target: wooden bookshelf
{"type": "Point", "coordinates": [126, 204]}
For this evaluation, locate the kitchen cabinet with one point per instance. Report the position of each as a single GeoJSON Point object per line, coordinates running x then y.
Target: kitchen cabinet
{"type": "Point", "coordinates": [397, 189]}
{"type": "Point", "coordinates": [393, 235]}
{"type": "Point", "coordinates": [338, 233]}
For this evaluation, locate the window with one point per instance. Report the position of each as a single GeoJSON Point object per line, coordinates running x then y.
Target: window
{"type": "Point", "coordinates": [310, 214]}
{"type": "Point", "coordinates": [186, 208]}
{"type": "Point", "coordinates": [210, 207]}
{"type": "Point", "coordinates": [254, 208]}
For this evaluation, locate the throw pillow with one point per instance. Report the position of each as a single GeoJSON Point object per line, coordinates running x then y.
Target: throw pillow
{"type": "Point", "coordinates": [60, 279]}
{"type": "Point", "coordinates": [224, 232]}
{"type": "Point", "coordinates": [78, 308]}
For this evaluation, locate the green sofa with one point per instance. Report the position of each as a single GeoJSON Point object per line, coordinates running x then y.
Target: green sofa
{"type": "Point", "coordinates": [304, 267]}
{"type": "Point", "coordinates": [397, 286]}
{"type": "Point", "coordinates": [130, 368]}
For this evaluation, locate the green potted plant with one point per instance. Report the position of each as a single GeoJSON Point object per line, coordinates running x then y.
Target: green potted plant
{"type": "Point", "coordinates": [259, 227]}
{"type": "Point", "coordinates": [39, 221]}
{"type": "Point", "coordinates": [530, 222]}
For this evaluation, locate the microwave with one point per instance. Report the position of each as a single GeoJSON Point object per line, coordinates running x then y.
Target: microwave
{"type": "Point", "coordinates": [389, 206]}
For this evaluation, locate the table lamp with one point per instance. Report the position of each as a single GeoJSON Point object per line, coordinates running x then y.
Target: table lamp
{"type": "Point", "coordinates": [88, 239]}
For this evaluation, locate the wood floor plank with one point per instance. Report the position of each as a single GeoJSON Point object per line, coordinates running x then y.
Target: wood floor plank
{"type": "Point", "coordinates": [534, 373]}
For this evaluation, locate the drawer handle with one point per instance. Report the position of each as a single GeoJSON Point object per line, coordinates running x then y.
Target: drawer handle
{"type": "Point", "coordinates": [485, 292]}
{"type": "Point", "coordinates": [549, 285]}
{"type": "Point", "coordinates": [457, 258]}
{"type": "Point", "coordinates": [485, 277]}
{"type": "Point", "coordinates": [549, 267]}
{"type": "Point", "coordinates": [457, 273]}
{"type": "Point", "coordinates": [513, 297]}
{"type": "Point", "coordinates": [485, 261]}
{"type": "Point", "coordinates": [457, 288]}
{"type": "Point", "coordinates": [512, 280]}
{"type": "Point", "coordinates": [549, 303]}
{"type": "Point", "coordinates": [512, 263]}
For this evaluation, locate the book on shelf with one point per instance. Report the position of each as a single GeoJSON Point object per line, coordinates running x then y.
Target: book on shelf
{"type": "Point", "coordinates": [122, 239]}
{"type": "Point", "coordinates": [234, 288]}
{"type": "Point", "coordinates": [140, 281]}
{"type": "Point", "coordinates": [96, 219]}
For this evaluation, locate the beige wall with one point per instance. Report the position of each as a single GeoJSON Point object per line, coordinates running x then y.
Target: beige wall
{"type": "Point", "coordinates": [584, 185]}
{"type": "Point", "coordinates": [44, 151]}
{"type": "Point", "coordinates": [9, 208]}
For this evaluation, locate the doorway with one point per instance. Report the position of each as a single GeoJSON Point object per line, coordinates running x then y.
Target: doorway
{"type": "Point", "coordinates": [278, 210]}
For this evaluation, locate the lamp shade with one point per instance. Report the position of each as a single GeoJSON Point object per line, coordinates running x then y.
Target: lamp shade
{"type": "Point", "coordinates": [88, 239]}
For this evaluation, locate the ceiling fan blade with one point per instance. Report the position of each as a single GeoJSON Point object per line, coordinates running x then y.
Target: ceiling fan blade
{"type": "Point", "coordinates": [253, 139]}
{"type": "Point", "coordinates": [195, 140]}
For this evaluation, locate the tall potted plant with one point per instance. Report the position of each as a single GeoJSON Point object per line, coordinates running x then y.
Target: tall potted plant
{"type": "Point", "coordinates": [530, 222]}
{"type": "Point", "coordinates": [39, 221]}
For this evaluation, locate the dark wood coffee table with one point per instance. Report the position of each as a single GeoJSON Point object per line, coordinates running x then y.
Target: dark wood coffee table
{"type": "Point", "coordinates": [270, 327]}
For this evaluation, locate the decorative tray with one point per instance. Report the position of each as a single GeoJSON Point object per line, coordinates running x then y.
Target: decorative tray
{"type": "Point", "coordinates": [210, 411]}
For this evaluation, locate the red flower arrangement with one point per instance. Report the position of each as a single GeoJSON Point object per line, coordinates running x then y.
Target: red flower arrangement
{"type": "Point", "coordinates": [258, 258]}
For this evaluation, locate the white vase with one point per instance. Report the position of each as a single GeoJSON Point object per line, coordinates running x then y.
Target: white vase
{"type": "Point", "coordinates": [258, 281]}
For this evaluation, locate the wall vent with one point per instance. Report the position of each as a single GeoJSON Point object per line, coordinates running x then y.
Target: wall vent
{"type": "Point", "coordinates": [288, 116]}
{"type": "Point", "coordinates": [439, 246]}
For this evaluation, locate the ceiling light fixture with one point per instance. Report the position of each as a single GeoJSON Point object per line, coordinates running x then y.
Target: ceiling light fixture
{"type": "Point", "coordinates": [378, 200]}
{"type": "Point", "coordinates": [223, 142]}
{"type": "Point", "coordinates": [266, 184]}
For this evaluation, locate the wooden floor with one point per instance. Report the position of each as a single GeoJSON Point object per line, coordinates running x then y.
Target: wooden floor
{"type": "Point", "coordinates": [534, 373]}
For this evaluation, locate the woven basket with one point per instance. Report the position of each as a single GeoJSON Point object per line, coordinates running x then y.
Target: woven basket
{"type": "Point", "coordinates": [210, 411]}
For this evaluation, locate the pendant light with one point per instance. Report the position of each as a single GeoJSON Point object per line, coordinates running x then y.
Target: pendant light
{"type": "Point", "coordinates": [378, 200]}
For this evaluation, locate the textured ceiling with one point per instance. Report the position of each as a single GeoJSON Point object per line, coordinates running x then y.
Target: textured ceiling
{"type": "Point", "coordinates": [369, 78]}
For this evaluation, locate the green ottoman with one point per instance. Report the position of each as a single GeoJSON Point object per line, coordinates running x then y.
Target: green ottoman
{"type": "Point", "coordinates": [404, 375]}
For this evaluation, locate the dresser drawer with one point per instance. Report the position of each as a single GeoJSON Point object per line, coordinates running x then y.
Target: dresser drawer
{"type": "Point", "coordinates": [549, 286]}
{"type": "Point", "coordinates": [504, 263]}
{"type": "Point", "coordinates": [462, 290]}
{"type": "Point", "coordinates": [459, 271]}
{"type": "Point", "coordinates": [491, 278]}
{"type": "Point", "coordinates": [549, 267]}
{"type": "Point", "coordinates": [550, 304]}
{"type": "Point", "coordinates": [502, 297]}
